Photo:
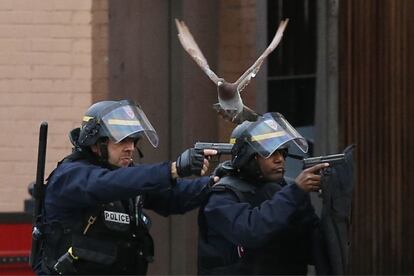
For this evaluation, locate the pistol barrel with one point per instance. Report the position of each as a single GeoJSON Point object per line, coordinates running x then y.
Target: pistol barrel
{"type": "Point", "coordinates": [331, 159]}
{"type": "Point", "coordinates": [222, 148]}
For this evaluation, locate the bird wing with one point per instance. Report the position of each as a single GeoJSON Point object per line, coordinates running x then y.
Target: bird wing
{"type": "Point", "coordinates": [191, 47]}
{"type": "Point", "coordinates": [250, 73]}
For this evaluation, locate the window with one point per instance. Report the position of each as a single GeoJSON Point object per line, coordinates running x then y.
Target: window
{"type": "Point", "coordinates": [292, 66]}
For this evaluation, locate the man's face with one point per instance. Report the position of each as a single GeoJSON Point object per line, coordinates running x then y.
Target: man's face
{"type": "Point", "coordinates": [119, 154]}
{"type": "Point", "coordinates": [273, 167]}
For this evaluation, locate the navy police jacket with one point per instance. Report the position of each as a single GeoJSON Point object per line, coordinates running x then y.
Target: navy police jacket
{"type": "Point", "coordinates": [77, 185]}
{"type": "Point", "coordinates": [256, 229]}
{"type": "Point", "coordinates": [118, 241]}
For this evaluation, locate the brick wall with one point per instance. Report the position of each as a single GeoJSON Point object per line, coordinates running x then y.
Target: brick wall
{"type": "Point", "coordinates": [237, 49]}
{"type": "Point", "coordinates": [46, 73]}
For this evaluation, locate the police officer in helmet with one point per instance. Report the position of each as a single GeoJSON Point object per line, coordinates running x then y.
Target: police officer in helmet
{"type": "Point", "coordinates": [93, 220]}
{"type": "Point", "coordinates": [257, 221]}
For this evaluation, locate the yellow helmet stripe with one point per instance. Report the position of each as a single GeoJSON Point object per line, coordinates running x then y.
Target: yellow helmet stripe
{"type": "Point", "coordinates": [87, 118]}
{"type": "Point", "coordinates": [123, 122]}
{"type": "Point", "coordinates": [268, 135]}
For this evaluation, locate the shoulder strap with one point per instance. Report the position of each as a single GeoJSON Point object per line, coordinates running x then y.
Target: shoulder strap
{"type": "Point", "coordinates": [74, 156]}
{"type": "Point", "coordinates": [234, 184]}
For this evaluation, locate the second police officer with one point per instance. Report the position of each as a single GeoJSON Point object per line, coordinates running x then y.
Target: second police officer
{"type": "Point", "coordinates": [257, 221]}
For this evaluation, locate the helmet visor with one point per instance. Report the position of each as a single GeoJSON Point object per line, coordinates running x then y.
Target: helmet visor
{"type": "Point", "coordinates": [271, 132]}
{"type": "Point", "coordinates": [127, 119]}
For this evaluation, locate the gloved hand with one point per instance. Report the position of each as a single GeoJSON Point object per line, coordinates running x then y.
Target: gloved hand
{"type": "Point", "coordinates": [190, 162]}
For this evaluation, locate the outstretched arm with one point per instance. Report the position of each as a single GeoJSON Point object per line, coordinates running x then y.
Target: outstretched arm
{"type": "Point", "coordinates": [78, 185]}
{"type": "Point", "coordinates": [184, 196]}
{"type": "Point", "coordinates": [248, 226]}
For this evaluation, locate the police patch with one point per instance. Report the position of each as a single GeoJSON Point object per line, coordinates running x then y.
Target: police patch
{"type": "Point", "coordinates": [117, 217]}
{"type": "Point", "coordinates": [272, 124]}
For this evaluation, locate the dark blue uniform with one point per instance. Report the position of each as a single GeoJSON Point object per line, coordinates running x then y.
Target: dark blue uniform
{"type": "Point", "coordinates": [117, 241]}
{"type": "Point", "coordinates": [75, 186]}
{"type": "Point", "coordinates": [246, 229]}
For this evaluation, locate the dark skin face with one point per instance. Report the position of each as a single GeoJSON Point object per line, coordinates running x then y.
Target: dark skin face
{"type": "Point", "coordinates": [273, 169]}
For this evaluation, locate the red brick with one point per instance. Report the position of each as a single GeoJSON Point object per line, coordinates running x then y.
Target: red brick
{"type": "Point", "coordinates": [16, 17]}
{"type": "Point", "coordinates": [82, 73]}
{"type": "Point", "coordinates": [15, 71]}
{"type": "Point", "coordinates": [82, 17]}
{"type": "Point", "coordinates": [6, 4]}
{"type": "Point", "coordinates": [51, 72]}
{"type": "Point", "coordinates": [51, 31]}
{"type": "Point", "coordinates": [45, 74]}
{"type": "Point", "coordinates": [52, 17]}
{"type": "Point", "coordinates": [82, 100]}
{"type": "Point", "coordinates": [51, 44]}
{"type": "Point", "coordinates": [72, 5]}
{"type": "Point", "coordinates": [14, 85]}
{"type": "Point", "coordinates": [24, 5]}
{"type": "Point", "coordinates": [81, 59]}
{"type": "Point", "coordinates": [73, 86]}
{"type": "Point", "coordinates": [14, 45]}
{"type": "Point", "coordinates": [51, 59]}
{"type": "Point", "coordinates": [82, 46]}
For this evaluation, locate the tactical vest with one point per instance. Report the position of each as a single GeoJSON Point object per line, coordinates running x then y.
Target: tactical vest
{"type": "Point", "coordinates": [107, 241]}
{"type": "Point", "coordinates": [286, 253]}
{"type": "Point", "coordinates": [112, 238]}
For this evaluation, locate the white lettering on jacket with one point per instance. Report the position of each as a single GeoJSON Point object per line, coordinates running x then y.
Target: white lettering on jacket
{"type": "Point", "coordinates": [116, 217]}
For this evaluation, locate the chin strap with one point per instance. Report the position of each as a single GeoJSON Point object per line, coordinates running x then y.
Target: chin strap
{"type": "Point", "coordinates": [103, 158]}
{"type": "Point", "coordinates": [140, 154]}
{"type": "Point", "coordinates": [251, 171]}
{"type": "Point", "coordinates": [103, 148]}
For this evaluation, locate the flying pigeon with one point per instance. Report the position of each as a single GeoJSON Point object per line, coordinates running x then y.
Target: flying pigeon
{"type": "Point", "coordinates": [230, 104]}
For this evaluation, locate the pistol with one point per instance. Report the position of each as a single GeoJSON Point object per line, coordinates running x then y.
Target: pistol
{"type": "Point", "coordinates": [221, 148]}
{"type": "Point", "coordinates": [331, 159]}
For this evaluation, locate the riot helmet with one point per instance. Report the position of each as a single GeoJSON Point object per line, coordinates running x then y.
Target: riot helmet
{"type": "Point", "coordinates": [271, 132]}
{"type": "Point", "coordinates": [241, 152]}
{"type": "Point", "coordinates": [115, 120]}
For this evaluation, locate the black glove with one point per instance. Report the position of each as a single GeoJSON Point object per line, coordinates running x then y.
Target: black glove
{"type": "Point", "coordinates": [190, 162]}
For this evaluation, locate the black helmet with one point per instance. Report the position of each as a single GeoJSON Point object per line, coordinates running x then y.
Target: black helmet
{"type": "Point", "coordinates": [241, 152]}
{"type": "Point", "coordinates": [115, 120]}
{"type": "Point", "coordinates": [269, 133]}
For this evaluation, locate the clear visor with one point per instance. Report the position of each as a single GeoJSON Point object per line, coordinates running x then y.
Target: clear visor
{"type": "Point", "coordinates": [271, 132]}
{"type": "Point", "coordinates": [128, 120]}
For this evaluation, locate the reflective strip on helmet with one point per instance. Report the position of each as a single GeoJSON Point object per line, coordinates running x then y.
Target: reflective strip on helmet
{"type": "Point", "coordinates": [233, 141]}
{"type": "Point", "coordinates": [123, 122]}
{"type": "Point", "coordinates": [87, 118]}
{"type": "Point", "coordinates": [268, 135]}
